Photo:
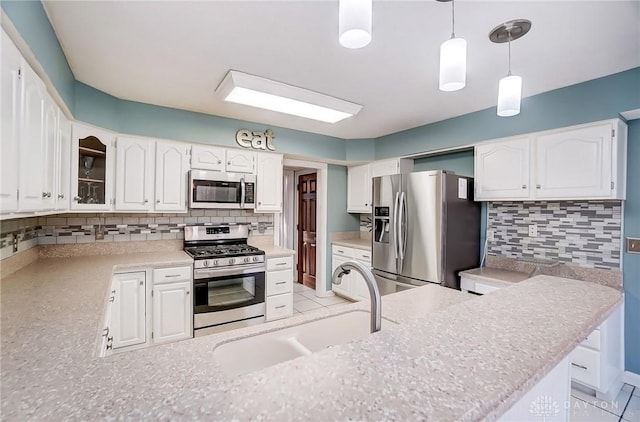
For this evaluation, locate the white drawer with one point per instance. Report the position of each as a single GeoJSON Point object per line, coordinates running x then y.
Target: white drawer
{"type": "Point", "coordinates": [483, 289]}
{"type": "Point", "coordinates": [286, 262]}
{"type": "Point", "coordinates": [279, 282]}
{"type": "Point", "coordinates": [362, 255]}
{"type": "Point", "coordinates": [467, 284]}
{"type": "Point", "coordinates": [593, 341]}
{"type": "Point", "coordinates": [342, 251]}
{"type": "Point", "coordinates": [169, 275]}
{"type": "Point", "coordinates": [585, 366]}
{"type": "Point", "coordinates": [280, 306]}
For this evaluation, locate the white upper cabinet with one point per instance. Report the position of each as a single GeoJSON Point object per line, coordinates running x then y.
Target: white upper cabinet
{"type": "Point", "coordinates": [134, 174]}
{"type": "Point", "coordinates": [389, 167]}
{"type": "Point", "coordinates": [33, 151]}
{"type": "Point", "coordinates": [575, 163]}
{"type": "Point", "coordinates": [10, 91]}
{"type": "Point", "coordinates": [172, 167]}
{"type": "Point", "coordinates": [50, 146]}
{"type": "Point", "coordinates": [269, 188]}
{"type": "Point", "coordinates": [580, 162]}
{"type": "Point", "coordinates": [208, 158]}
{"type": "Point", "coordinates": [239, 161]}
{"type": "Point", "coordinates": [359, 189]}
{"type": "Point", "coordinates": [91, 168]}
{"type": "Point", "coordinates": [502, 170]}
{"type": "Point", "coordinates": [63, 163]}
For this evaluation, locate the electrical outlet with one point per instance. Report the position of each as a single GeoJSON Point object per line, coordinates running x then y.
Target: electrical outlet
{"type": "Point", "coordinates": [533, 230]}
{"type": "Point", "coordinates": [633, 245]}
{"type": "Point", "coordinates": [490, 235]}
{"type": "Point", "coordinates": [99, 233]}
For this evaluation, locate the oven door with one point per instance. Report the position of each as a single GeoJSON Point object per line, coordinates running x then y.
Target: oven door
{"type": "Point", "coordinates": [227, 289]}
{"type": "Point", "coordinates": [221, 190]}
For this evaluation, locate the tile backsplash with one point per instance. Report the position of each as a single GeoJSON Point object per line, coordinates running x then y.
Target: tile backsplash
{"type": "Point", "coordinates": [119, 227]}
{"type": "Point", "coordinates": [581, 233]}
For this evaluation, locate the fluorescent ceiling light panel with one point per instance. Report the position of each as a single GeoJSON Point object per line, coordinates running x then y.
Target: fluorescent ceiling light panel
{"type": "Point", "coordinates": [241, 88]}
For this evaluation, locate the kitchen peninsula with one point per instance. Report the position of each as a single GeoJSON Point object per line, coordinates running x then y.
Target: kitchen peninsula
{"type": "Point", "coordinates": [452, 356]}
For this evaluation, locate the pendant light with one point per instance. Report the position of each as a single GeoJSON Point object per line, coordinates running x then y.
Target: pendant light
{"type": "Point", "coordinates": [453, 59]}
{"type": "Point", "coordinates": [510, 87]}
{"type": "Point", "coordinates": [354, 23]}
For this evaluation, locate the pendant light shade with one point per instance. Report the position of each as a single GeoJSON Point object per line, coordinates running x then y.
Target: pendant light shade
{"type": "Point", "coordinates": [354, 23]}
{"type": "Point", "coordinates": [453, 64]}
{"type": "Point", "coordinates": [509, 95]}
{"type": "Point", "coordinates": [510, 87]}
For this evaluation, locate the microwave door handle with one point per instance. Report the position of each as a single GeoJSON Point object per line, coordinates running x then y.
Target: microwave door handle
{"type": "Point", "coordinates": [242, 192]}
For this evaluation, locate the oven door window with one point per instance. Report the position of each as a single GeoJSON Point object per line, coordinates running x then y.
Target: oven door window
{"type": "Point", "coordinates": [216, 191]}
{"type": "Point", "coordinates": [229, 292]}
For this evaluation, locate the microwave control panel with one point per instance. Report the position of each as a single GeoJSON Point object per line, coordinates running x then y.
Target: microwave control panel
{"type": "Point", "coordinates": [249, 193]}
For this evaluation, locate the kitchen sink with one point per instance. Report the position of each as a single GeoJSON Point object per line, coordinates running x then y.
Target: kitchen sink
{"type": "Point", "coordinates": [263, 350]}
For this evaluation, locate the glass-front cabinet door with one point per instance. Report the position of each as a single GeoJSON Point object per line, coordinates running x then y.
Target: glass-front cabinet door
{"type": "Point", "coordinates": [92, 169]}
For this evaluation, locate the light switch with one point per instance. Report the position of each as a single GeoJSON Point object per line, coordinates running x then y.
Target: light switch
{"type": "Point", "coordinates": [633, 245]}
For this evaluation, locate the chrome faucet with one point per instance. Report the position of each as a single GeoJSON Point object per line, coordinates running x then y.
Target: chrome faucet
{"type": "Point", "coordinates": [374, 292]}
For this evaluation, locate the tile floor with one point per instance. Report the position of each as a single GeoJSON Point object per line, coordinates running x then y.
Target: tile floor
{"type": "Point", "coordinates": [587, 408]}
{"type": "Point", "coordinates": [305, 300]}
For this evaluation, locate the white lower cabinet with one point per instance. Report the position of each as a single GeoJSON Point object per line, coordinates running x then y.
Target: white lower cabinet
{"type": "Point", "coordinates": [279, 288]}
{"type": "Point", "coordinates": [159, 298]}
{"type": "Point", "coordinates": [128, 321]}
{"type": "Point", "coordinates": [353, 285]}
{"type": "Point", "coordinates": [172, 312]}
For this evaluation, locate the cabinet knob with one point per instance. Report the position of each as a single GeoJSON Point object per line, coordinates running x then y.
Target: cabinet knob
{"type": "Point", "coordinates": [60, 196]}
{"type": "Point", "coordinates": [259, 203]}
{"type": "Point", "coordinates": [524, 186]}
{"type": "Point", "coordinates": [76, 198]}
{"type": "Point", "coordinates": [228, 163]}
{"type": "Point", "coordinates": [187, 292]}
{"type": "Point", "coordinates": [146, 201]}
{"type": "Point", "coordinates": [219, 161]}
{"type": "Point", "coordinates": [157, 201]}
{"type": "Point", "coordinates": [46, 194]}
{"type": "Point", "coordinates": [141, 283]}
{"type": "Point", "coordinates": [537, 186]}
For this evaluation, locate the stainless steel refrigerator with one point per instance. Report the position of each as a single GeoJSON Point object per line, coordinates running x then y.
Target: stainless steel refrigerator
{"type": "Point", "coordinates": [426, 228]}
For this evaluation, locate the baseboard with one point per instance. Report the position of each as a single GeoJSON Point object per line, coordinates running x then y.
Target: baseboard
{"type": "Point", "coordinates": [631, 378]}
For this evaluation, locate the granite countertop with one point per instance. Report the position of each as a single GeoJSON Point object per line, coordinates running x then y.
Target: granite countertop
{"type": "Point", "coordinates": [495, 276]}
{"type": "Point", "coordinates": [354, 243]}
{"type": "Point", "coordinates": [452, 356]}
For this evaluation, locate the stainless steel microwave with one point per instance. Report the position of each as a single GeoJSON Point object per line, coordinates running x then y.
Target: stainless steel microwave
{"type": "Point", "coordinates": [212, 189]}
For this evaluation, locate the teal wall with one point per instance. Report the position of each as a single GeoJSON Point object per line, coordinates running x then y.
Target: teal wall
{"type": "Point", "coordinates": [459, 162]}
{"type": "Point", "coordinates": [632, 261]}
{"type": "Point", "coordinates": [360, 149]}
{"type": "Point", "coordinates": [598, 99]}
{"type": "Point", "coordinates": [31, 21]}
{"type": "Point", "coordinates": [338, 220]}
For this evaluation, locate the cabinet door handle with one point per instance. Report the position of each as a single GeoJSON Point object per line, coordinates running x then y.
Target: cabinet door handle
{"type": "Point", "coordinates": [524, 186]}
{"type": "Point", "coordinates": [281, 282]}
{"type": "Point", "coordinates": [172, 275]}
{"type": "Point", "coordinates": [60, 196]}
{"type": "Point", "coordinates": [281, 306]}
{"type": "Point", "coordinates": [281, 263]}
{"type": "Point", "coordinates": [579, 366]}
{"type": "Point", "coordinates": [340, 250]}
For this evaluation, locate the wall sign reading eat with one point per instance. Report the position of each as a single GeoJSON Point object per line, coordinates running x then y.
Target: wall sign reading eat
{"type": "Point", "coordinates": [256, 140]}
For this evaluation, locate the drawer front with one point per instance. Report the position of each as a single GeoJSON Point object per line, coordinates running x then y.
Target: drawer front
{"type": "Point", "coordinates": [467, 284]}
{"type": "Point", "coordinates": [276, 264]}
{"type": "Point", "coordinates": [342, 251]}
{"type": "Point", "coordinates": [170, 275]}
{"type": "Point", "coordinates": [361, 255]}
{"type": "Point", "coordinates": [483, 289]}
{"type": "Point", "coordinates": [593, 341]}
{"type": "Point", "coordinates": [280, 306]}
{"type": "Point", "coordinates": [585, 366]}
{"type": "Point", "coordinates": [279, 282]}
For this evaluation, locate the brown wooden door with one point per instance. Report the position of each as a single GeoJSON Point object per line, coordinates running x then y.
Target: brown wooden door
{"type": "Point", "coordinates": [307, 186]}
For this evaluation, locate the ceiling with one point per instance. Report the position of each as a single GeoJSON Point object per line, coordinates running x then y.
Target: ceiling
{"type": "Point", "coordinates": [175, 53]}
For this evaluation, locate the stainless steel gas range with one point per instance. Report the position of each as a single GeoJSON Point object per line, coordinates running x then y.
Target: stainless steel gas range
{"type": "Point", "coordinates": [228, 278]}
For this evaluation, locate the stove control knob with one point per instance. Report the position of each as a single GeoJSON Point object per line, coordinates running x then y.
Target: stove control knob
{"type": "Point", "coordinates": [232, 261]}
{"type": "Point", "coordinates": [256, 258]}
{"type": "Point", "coordinates": [247, 259]}
{"type": "Point", "coordinates": [205, 263]}
{"type": "Point", "coordinates": [215, 262]}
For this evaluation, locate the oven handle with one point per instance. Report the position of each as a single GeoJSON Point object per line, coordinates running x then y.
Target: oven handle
{"type": "Point", "coordinates": [242, 190]}
{"type": "Point", "coordinates": [202, 273]}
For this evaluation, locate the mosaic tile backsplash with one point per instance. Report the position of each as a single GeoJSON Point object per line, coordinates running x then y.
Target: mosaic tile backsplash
{"type": "Point", "coordinates": [581, 233]}
{"type": "Point", "coordinates": [81, 228]}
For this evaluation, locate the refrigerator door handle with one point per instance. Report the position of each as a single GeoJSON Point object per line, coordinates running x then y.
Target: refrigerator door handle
{"type": "Point", "coordinates": [396, 218]}
{"type": "Point", "coordinates": [404, 225]}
